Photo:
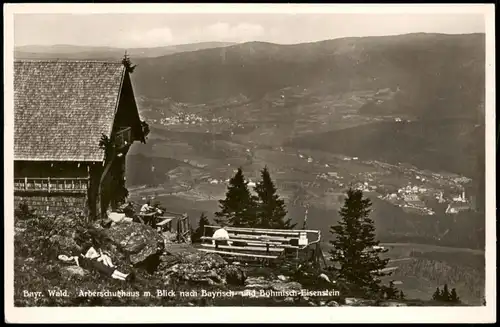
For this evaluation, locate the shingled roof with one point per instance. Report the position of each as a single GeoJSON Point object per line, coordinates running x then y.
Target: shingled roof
{"type": "Point", "coordinates": [63, 107]}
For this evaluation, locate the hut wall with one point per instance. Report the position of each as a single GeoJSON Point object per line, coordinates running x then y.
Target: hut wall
{"type": "Point", "coordinates": [52, 187]}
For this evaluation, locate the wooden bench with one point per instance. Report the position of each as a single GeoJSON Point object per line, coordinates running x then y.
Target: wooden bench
{"type": "Point", "coordinates": [253, 237]}
{"type": "Point", "coordinates": [263, 244]}
{"type": "Point", "coordinates": [247, 248]}
{"type": "Point", "coordinates": [241, 254]}
{"type": "Point", "coordinates": [257, 242]}
{"type": "Point", "coordinates": [164, 222]}
{"type": "Point", "coordinates": [146, 218]}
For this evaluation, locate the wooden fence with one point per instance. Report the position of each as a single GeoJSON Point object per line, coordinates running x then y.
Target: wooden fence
{"type": "Point", "coordinates": [50, 184]}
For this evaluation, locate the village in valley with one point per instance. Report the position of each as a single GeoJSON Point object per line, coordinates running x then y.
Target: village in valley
{"type": "Point", "coordinates": [414, 190]}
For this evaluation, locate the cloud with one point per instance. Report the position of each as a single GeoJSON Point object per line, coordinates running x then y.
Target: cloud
{"type": "Point", "coordinates": [153, 37]}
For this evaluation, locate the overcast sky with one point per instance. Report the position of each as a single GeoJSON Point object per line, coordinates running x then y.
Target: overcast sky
{"type": "Point", "coordinates": [150, 30]}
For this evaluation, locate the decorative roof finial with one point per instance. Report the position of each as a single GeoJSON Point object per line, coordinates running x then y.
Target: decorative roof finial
{"type": "Point", "coordinates": [127, 63]}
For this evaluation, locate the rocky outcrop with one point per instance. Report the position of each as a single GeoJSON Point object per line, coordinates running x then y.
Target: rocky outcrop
{"type": "Point", "coordinates": [261, 283]}
{"type": "Point", "coordinates": [135, 240]}
{"type": "Point", "coordinates": [186, 267]}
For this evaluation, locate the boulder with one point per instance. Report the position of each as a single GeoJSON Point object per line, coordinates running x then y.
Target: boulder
{"type": "Point", "coordinates": [235, 275]}
{"type": "Point", "coordinates": [201, 268]}
{"type": "Point", "coordinates": [332, 303]}
{"type": "Point", "coordinates": [137, 241]}
{"type": "Point", "coordinates": [72, 272]}
{"type": "Point", "coordinates": [356, 302]}
{"type": "Point", "coordinates": [352, 301]}
{"type": "Point", "coordinates": [257, 283]}
{"type": "Point", "coordinates": [278, 285]}
{"type": "Point", "coordinates": [283, 278]}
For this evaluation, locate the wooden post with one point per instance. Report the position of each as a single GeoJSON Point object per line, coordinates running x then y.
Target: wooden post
{"type": "Point", "coordinates": [25, 183]}
{"type": "Point", "coordinates": [297, 259]}
{"type": "Point", "coordinates": [48, 178]}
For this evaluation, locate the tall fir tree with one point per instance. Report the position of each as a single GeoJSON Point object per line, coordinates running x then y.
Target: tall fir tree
{"type": "Point", "coordinates": [355, 248]}
{"type": "Point", "coordinates": [391, 291]}
{"type": "Point", "coordinates": [198, 233]}
{"type": "Point", "coordinates": [402, 295]}
{"type": "Point", "coordinates": [271, 210]}
{"type": "Point", "coordinates": [238, 209]}
{"type": "Point", "coordinates": [454, 296]}
{"type": "Point", "coordinates": [437, 295]}
{"type": "Point", "coordinates": [445, 293]}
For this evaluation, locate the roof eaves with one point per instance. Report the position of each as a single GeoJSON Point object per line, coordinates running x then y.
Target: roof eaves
{"type": "Point", "coordinates": [117, 103]}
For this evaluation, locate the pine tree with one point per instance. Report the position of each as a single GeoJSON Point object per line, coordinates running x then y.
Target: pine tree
{"type": "Point", "coordinates": [198, 233]}
{"type": "Point", "coordinates": [271, 210]}
{"type": "Point", "coordinates": [238, 208]}
{"type": "Point", "coordinates": [355, 247]}
{"type": "Point", "coordinates": [454, 296]}
{"type": "Point", "coordinates": [401, 295]}
{"type": "Point", "coordinates": [437, 295]}
{"type": "Point", "coordinates": [445, 294]}
{"type": "Point", "coordinates": [391, 291]}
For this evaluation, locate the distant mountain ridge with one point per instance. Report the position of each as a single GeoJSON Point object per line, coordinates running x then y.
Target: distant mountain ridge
{"type": "Point", "coordinates": [432, 71]}
{"type": "Point", "coordinates": [65, 51]}
{"type": "Point", "coordinates": [439, 75]}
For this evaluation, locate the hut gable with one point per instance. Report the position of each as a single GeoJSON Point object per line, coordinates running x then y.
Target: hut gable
{"type": "Point", "coordinates": [62, 108]}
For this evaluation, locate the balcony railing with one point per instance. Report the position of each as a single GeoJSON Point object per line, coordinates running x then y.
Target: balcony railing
{"type": "Point", "coordinates": [49, 184]}
{"type": "Point", "coordinates": [123, 137]}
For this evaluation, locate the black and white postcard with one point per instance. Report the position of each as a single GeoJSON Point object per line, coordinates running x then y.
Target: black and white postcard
{"type": "Point", "coordinates": [249, 163]}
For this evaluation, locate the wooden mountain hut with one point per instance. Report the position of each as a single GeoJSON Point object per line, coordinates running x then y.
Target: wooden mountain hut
{"type": "Point", "coordinates": [74, 122]}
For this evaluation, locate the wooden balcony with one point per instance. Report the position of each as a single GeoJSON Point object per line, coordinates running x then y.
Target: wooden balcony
{"type": "Point", "coordinates": [123, 137]}
{"type": "Point", "coordinates": [51, 185]}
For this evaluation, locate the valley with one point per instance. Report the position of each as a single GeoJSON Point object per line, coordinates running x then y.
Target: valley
{"type": "Point", "coordinates": [203, 149]}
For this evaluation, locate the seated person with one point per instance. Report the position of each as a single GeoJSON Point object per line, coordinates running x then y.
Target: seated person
{"type": "Point", "coordinates": [98, 261]}
{"type": "Point", "coordinates": [146, 207]}
{"type": "Point", "coordinates": [221, 235]}
{"type": "Point", "coordinates": [156, 209]}
{"type": "Point", "coordinates": [128, 210]}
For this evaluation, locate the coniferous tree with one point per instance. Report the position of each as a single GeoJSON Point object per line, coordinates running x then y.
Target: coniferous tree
{"type": "Point", "coordinates": [238, 208]}
{"type": "Point", "coordinates": [454, 296]}
{"type": "Point", "coordinates": [391, 291]}
{"type": "Point", "coordinates": [271, 210]}
{"type": "Point", "coordinates": [198, 233]}
{"type": "Point", "coordinates": [437, 295]}
{"type": "Point", "coordinates": [355, 247]}
{"type": "Point", "coordinates": [445, 294]}
{"type": "Point", "coordinates": [401, 295]}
